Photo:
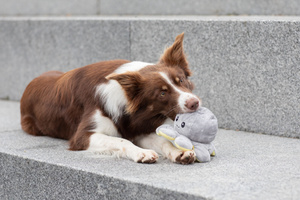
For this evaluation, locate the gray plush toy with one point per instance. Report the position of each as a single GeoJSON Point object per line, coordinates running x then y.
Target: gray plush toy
{"type": "Point", "coordinates": [193, 131]}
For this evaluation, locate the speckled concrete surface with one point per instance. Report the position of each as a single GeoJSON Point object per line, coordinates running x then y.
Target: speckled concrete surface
{"type": "Point", "coordinates": [199, 7]}
{"type": "Point", "coordinates": [53, 7]}
{"type": "Point", "coordinates": [148, 7]}
{"type": "Point", "coordinates": [246, 69]}
{"type": "Point", "coordinates": [30, 47]}
{"type": "Point", "coordinates": [247, 166]}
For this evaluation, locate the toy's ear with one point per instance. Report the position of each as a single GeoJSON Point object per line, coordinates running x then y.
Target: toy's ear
{"type": "Point", "coordinates": [174, 55]}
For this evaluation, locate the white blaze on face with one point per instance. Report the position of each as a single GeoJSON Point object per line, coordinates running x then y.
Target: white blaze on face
{"type": "Point", "coordinates": [184, 97]}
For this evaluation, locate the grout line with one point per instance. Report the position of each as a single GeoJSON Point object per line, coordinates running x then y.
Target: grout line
{"type": "Point", "coordinates": [130, 56]}
{"type": "Point", "coordinates": [98, 9]}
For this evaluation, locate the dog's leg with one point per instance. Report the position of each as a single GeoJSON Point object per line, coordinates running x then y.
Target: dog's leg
{"type": "Point", "coordinates": [120, 147]}
{"type": "Point", "coordinates": [166, 148]}
{"type": "Point", "coordinates": [104, 138]}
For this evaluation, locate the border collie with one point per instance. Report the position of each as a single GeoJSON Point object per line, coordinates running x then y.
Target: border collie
{"type": "Point", "coordinates": [113, 107]}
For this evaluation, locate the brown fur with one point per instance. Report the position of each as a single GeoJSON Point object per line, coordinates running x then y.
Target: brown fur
{"type": "Point", "coordinates": [61, 105]}
{"type": "Point", "coordinates": [54, 103]}
{"type": "Point", "coordinates": [174, 55]}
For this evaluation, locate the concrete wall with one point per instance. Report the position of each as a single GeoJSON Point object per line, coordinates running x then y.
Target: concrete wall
{"type": "Point", "coordinates": [246, 70]}
{"type": "Point", "coordinates": [149, 7]}
{"type": "Point", "coordinates": [31, 47]}
{"type": "Point", "coordinates": [200, 7]}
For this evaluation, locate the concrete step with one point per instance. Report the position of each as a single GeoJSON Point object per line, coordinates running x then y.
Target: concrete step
{"type": "Point", "coordinates": [149, 7]}
{"type": "Point", "coordinates": [200, 7]}
{"type": "Point", "coordinates": [247, 166]}
{"type": "Point", "coordinates": [246, 69]}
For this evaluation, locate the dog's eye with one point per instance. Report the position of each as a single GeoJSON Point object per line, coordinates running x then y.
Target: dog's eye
{"type": "Point", "coordinates": [177, 118]}
{"type": "Point", "coordinates": [179, 80]}
{"type": "Point", "coordinates": [182, 124]}
{"type": "Point", "coordinates": [162, 94]}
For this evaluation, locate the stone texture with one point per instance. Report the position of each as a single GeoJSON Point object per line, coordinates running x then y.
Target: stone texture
{"type": "Point", "coordinates": [245, 68]}
{"type": "Point", "coordinates": [29, 47]}
{"type": "Point", "coordinates": [53, 7]}
{"type": "Point", "coordinates": [9, 116]}
{"type": "Point", "coordinates": [247, 166]}
{"type": "Point", "coordinates": [200, 7]}
{"type": "Point", "coordinates": [24, 178]}
{"type": "Point", "coordinates": [148, 7]}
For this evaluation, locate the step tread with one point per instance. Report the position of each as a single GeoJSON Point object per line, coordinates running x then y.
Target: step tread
{"type": "Point", "coordinates": [247, 166]}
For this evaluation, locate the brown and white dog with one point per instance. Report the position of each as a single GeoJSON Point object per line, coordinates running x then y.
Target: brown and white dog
{"type": "Point", "coordinates": [113, 107]}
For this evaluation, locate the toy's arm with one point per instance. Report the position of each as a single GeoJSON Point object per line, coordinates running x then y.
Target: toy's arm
{"type": "Point", "coordinates": [204, 151]}
{"type": "Point", "coordinates": [167, 131]}
{"type": "Point", "coordinates": [212, 149]}
{"type": "Point", "coordinates": [183, 143]}
{"type": "Point", "coordinates": [180, 141]}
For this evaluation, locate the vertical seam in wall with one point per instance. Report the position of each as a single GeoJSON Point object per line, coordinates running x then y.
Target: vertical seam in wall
{"type": "Point", "coordinates": [130, 58]}
{"type": "Point", "coordinates": [98, 11]}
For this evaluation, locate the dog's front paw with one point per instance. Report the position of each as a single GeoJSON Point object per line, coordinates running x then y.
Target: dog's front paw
{"type": "Point", "coordinates": [183, 157]}
{"type": "Point", "coordinates": [186, 157]}
{"type": "Point", "coordinates": [146, 156]}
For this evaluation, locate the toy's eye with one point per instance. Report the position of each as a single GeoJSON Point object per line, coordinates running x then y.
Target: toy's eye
{"type": "Point", "coordinates": [177, 118]}
{"type": "Point", "coordinates": [182, 124]}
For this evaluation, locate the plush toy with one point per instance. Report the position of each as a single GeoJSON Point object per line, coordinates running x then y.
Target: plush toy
{"type": "Point", "coordinates": [193, 131]}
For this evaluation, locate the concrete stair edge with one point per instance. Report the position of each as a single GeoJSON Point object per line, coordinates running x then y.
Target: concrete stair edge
{"type": "Point", "coordinates": [247, 166]}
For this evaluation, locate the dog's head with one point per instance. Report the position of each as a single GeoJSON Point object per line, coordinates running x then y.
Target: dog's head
{"type": "Point", "coordinates": [163, 88]}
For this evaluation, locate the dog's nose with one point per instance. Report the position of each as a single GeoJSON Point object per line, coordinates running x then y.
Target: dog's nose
{"type": "Point", "coordinates": [192, 104]}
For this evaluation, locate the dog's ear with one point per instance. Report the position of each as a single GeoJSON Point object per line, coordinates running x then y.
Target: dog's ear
{"type": "Point", "coordinates": [174, 55]}
{"type": "Point", "coordinates": [132, 83]}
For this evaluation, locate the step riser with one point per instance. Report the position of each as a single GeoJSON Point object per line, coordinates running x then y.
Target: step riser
{"type": "Point", "coordinates": [148, 7]}
{"type": "Point", "coordinates": [29, 179]}
{"type": "Point", "coordinates": [246, 72]}
{"type": "Point", "coordinates": [202, 7]}
{"type": "Point", "coordinates": [29, 48]}
{"type": "Point", "coordinates": [53, 7]}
